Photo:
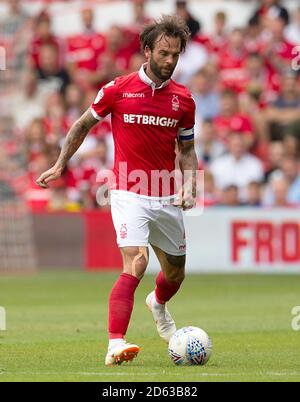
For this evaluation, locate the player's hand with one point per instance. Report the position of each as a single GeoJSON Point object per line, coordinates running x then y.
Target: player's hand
{"type": "Point", "coordinates": [50, 175]}
{"type": "Point", "coordinates": [185, 199]}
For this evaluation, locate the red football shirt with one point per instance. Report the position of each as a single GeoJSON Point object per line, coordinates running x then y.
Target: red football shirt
{"type": "Point", "coordinates": [235, 123]}
{"type": "Point", "coordinates": [146, 121]}
{"type": "Point", "coordinates": [231, 65]}
{"type": "Point", "coordinates": [83, 50]}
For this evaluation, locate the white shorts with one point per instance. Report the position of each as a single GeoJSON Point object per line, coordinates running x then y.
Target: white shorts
{"type": "Point", "coordinates": [140, 221]}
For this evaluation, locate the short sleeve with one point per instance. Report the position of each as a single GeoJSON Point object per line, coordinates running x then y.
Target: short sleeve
{"type": "Point", "coordinates": [103, 104]}
{"type": "Point", "coordinates": [186, 128]}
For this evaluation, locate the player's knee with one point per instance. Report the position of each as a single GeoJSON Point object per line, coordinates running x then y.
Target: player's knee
{"type": "Point", "coordinates": [136, 261]}
{"type": "Point", "coordinates": [139, 264]}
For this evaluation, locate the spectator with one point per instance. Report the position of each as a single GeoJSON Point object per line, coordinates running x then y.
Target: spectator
{"type": "Point", "coordinates": [231, 119]}
{"type": "Point", "coordinates": [14, 21]}
{"type": "Point", "coordinates": [49, 71]}
{"type": "Point", "coordinates": [195, 55]}
{"type": "Point", "coordinates": [35, 140]}
{"type": "Point", "coordinates": [37, 199]}
{"type": "Point", "coordinates": [254, 194]}
{"type": "Point", "coordinates": [191, 61]}
{"type": "Point", "coordinates": [219, 38]}
{"type": "Point", "coordinates": [43, 36]}
{"type": "Point", "coordinates": [115, 60]}
{"type": "Point", "coordinates": [259, 82]}
{"type": "Point", "coordinates": [238, 167]}
{"type": "Point", "coordinates": [275, 158]}
{"type": "Point", "coordinates": [183, 12]}
{"type": "Point", "coordinates": [291, 146]}
{"type": "Point", "coordinates": [280, 189]}
{"type": "Point", "coordinates": [73, 103]}
{"type": "Point", "coordinates": [15, 33]}
{"type": "Point", "coordinates": [207, 99]}
{"type": "Point", "coordinates": [232, 59]}
{"type": "Point", "coordinates": [210, 191]}
{"type": "Point", "coordinates": [253, 36]}
{"type": "Point", "coordinates": [135, 62]}
{"type": "Point", "coordinates": [230, 196]}
{"type": "Point", "coordinates": [29, 102]}
{"type": "Point", "coordinates": [286, 109]}
{"type": "Point", "coordinates": [140, 19]}
{"type": "Point", "coordinates": [208, 147]}
{"type": "Point", "coordinates": [216, 40]}
{"type": "Point", "coordinates": [55, 121]}
{"type": "Point", "coordinates": [277, 50]}
{"type": "Point", "coordinates": [292, 31]}
{"type": "Point", "coordinates": [83, 51]}
{"type": "Point", "coordinates": [269, 8]}
{"type": "Point", "coordinates": [245, 102]}
{"type": "Point", "coordinates": [290, 171]}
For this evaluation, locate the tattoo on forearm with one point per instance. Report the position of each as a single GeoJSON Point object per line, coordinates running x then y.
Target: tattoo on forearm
{"type": "Point", "coordinates": [188, 159]}
{"type": "Point", "coordinates": [189, 165]}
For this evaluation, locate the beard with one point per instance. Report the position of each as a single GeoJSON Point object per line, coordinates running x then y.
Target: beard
{"type": "Point", "coordinates": [158, 71]}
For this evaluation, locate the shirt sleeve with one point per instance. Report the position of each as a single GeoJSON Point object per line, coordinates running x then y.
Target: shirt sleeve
{"type": "Point", "coordinates": [186, 129]}
{"type": "Point", "coordinates": [103, 104]}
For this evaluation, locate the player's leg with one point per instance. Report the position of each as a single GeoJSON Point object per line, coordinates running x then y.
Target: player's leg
{"type": "Point", "coordinates": [167, 238]}
{"type": "Point", "coordinates": [132, 230]}
{"type": "Point", "coordinates": [168, 282]}
{"type": "Point", "coordinates": [171, 276]}
{"type": "Point", "coordinates": [121, 301]}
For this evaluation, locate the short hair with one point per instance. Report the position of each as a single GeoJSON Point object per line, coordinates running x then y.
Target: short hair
{"type": "Point", "coordinates": [220, 15]}
{"type": "Point", "coordinates": [170, 26]}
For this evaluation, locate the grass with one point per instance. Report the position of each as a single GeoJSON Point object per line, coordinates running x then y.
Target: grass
{"type": "Point", "coordinates": [57, 323]}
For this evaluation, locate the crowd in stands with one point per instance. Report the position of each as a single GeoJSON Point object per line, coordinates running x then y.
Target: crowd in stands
{"type": "Point", "coordinates": [245, 82]}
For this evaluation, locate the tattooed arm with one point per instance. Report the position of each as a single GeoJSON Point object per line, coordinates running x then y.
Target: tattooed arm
{"type": "Point", "coordinates": [188, 165]}
{"type": "Point", "coordinates": [73, 140]}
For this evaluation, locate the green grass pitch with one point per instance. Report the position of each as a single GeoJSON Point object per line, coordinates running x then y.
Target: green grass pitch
{"type": "Point", "coordinates": [57, 321]}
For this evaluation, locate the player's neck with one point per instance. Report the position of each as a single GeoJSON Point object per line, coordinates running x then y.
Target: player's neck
{"type": "Point", "coordinates": [158, 82]}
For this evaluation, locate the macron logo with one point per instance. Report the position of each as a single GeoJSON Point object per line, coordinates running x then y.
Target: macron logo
{"type": "Point", "coordinates": [133, 95]}
{"type": "Point", "coordinates": [150, 120]}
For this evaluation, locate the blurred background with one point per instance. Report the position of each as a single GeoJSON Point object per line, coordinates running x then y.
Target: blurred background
{"type": "Point", "coordinates": [242, 65]}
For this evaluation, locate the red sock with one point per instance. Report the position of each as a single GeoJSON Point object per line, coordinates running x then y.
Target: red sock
{"type": "Point", "coordinates": [121, 304]}
{"type": "Point", "coordinates": [165, 289]}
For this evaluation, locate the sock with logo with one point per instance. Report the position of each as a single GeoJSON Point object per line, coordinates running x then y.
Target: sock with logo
{"type": "Point", "coordinates": [121, 302]}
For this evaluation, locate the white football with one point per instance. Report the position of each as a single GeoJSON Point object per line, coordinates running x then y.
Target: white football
{"type": "Point", "coordinates": [190, 346]}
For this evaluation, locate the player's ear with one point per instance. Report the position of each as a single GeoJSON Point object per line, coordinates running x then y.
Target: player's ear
{"type": "Point", "coordinates": [147, 52]}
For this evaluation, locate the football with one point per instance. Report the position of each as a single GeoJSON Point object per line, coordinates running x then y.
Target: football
{"type": "Point", "coordinates": [190, 346]}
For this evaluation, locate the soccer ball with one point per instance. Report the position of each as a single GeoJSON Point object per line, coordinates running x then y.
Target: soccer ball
{"type": "Point", "coordinates": [190, 346]}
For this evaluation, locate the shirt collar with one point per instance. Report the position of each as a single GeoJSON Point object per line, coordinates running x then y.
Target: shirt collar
{"type": "Point", "coordinates": [144, 77]}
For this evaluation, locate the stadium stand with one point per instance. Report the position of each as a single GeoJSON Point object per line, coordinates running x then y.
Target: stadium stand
{"type": "Point", "coordinates": [243, 79]}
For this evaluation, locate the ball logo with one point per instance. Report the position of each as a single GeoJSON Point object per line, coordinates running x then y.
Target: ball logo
{"type": "Point", "coordinates": [177, 359]}
{"type": "Point", "coordinates": [175, 103]}
{"type": "Point", "coordinates": [123, 231]}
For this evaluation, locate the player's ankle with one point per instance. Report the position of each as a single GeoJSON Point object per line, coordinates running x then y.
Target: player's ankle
{"type": "Point", "coordinates": [157, 301]}
{"type": "Point", "coordinates": [115, 342]}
